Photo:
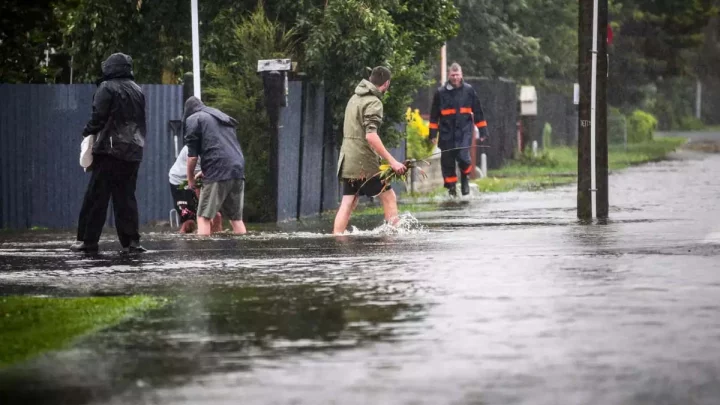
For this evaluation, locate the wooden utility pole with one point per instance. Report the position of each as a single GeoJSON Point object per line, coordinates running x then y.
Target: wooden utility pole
{"type": "Point", "coordinates": [601, 135]}
{"type": "Point", "coordinates": [592, 192]}
{"type": "Point", "coordinates": [584, 196]}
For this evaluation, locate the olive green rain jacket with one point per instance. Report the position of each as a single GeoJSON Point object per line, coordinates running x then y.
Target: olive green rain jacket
{"type": "Point", "coordinates": [363, 115]}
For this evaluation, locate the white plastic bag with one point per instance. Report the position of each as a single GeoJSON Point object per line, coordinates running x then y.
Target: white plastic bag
{"type": "Point", "coordinates": [86, 147]}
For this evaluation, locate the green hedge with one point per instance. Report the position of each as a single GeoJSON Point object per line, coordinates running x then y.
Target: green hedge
{"type": "Point", "coordinates": [641, 126]}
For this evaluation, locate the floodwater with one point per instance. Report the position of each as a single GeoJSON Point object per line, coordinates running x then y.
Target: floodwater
{"type": "Point", "coordinates": [504, 300]}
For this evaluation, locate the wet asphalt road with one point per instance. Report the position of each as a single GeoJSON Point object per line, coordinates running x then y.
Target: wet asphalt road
{"type": "Point", "coordinates": [504, 300]}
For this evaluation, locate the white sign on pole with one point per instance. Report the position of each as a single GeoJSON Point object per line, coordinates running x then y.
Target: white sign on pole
{"type": "Point", "coordinates": [576, 94]}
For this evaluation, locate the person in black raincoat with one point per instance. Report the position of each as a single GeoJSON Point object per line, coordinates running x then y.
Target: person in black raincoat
{"type": "Point", "coordinates": [119, 124]}
{"type": "Point", "coordinates": [455, 113]}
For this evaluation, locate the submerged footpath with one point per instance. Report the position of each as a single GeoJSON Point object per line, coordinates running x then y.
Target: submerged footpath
{"type": "Point", "coordinates": [551, 167]}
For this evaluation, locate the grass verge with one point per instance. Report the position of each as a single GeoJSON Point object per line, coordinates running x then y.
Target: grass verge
{"type": "Point", "coordinates": [558, 166]}
{"type": "Point", "coordinates": [33, 325]}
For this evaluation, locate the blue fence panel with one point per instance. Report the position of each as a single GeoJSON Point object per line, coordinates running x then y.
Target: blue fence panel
{"type": "Point", "coordinates": [289, 153]}
{"type": "Point", "coordinates": [312, 151]}
{"type": "Point", "coordinates": [331, 183]}
{"type": "Point", "coordinates": [164, 103]}
{"type": "Point", "coordinates": [42, 183]}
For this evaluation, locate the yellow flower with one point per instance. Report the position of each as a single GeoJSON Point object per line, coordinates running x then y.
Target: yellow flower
{"type": "Point", "coordinates": [384, 167]}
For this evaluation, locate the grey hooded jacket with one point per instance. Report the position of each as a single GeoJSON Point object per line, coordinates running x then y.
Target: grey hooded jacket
{"type": "Point", "coordinates": [210, 134]}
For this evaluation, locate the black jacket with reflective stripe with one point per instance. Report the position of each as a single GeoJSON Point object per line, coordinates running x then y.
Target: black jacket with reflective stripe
{"type": "Point", "coordinates": [454, 113]}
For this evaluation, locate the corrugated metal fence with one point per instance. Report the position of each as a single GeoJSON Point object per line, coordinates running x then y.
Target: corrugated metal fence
{"type": "Point", "coordinates": [41, 181]}
{"type": "Point", "coordinates": [308, 154]}
{"type": "Point", "coordinates": [559, 111]}
{"type": "Point", "coordinates": [499, 100]}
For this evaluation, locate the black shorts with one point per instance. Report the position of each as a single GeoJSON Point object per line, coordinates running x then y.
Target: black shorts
{"type": "Point", "coordinates": [185, 203]}
{"type": "Point", "coordinates": [370, 188]}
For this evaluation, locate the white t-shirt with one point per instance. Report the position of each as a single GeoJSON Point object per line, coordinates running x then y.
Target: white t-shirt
{"type": "Point", "coordinates": [178, 171]}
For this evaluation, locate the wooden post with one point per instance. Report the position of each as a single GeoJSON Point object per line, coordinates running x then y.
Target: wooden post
{"type": "Point", "coordinates": [601, 135]}
{"type": "Point", "coordinates": [585, 35]}
{"type": "Point", "coordinates": [273, 89]}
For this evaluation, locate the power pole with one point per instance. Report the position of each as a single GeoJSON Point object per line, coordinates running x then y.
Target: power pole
{"type": "Point", "coordinates": [601, 135]}
{"type": "Point", "coordinates": [584, 196]}
{"type": "Point", "coordinates": [592, 113]}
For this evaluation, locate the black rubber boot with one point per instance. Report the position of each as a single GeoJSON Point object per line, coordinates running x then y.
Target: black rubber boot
{"type": "Point", "coordinates": [464, 185]}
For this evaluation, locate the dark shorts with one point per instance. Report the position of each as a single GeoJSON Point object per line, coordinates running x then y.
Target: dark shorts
{"type": "Point", "coordinates": [185, 203]}
{"type": "Point", "coordinates": [370, 188]}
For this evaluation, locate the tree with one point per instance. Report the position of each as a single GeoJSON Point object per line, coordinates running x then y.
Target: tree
{"type": "Point", "coordinates": [347, 37]}
{"type": "Point", "coordinates": [155, 33]}
{"type": "Point", "coordinates": [558, 40]}
{"type": "Point", "coordinates": [27, 31]}
{"type": "Point", "coordinates": [655, 56]}
{"type": "Point", "coordinates": [491, 43]}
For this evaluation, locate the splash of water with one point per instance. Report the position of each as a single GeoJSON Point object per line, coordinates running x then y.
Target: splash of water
{"type": "Point", "coordinates": [407, 225]}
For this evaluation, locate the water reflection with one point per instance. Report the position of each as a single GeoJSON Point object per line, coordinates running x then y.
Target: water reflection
{"type": "Point", "coordinates": [208, 331]}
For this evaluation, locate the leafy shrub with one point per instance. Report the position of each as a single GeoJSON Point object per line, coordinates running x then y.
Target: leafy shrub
{"type": "Point", "coordinates": [543, 159]}
{"type": "Point", "coordinates": [691, 124]}
{"type": "Point", "coordinates": [641, 126]}
{"type": "Point", "coordinates": [547, 135]}
{"type": "Point", "coordinates": [418, 132]}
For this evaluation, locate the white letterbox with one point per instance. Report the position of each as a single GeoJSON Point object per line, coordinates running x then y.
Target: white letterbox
{"type": "Point", "coordinates": [528, 100]}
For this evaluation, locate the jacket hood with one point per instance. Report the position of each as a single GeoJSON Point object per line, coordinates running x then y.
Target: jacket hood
{"type": "Point", "coordinates": [194, 105]}
{"type": "Point", "coordinates": [117, 66]}
{"type": "Point", "coordinates": [449, 85]}
{"type": "Point", "coordinates": [365, 88]}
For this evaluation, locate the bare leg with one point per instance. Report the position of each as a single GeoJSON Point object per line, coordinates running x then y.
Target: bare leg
{"type": "Point", "coordinates": [216, 223]}
{"type": "Point", "coordinates": [204, 226]}
{"type": "Point", "coordinates": [347, 205]}
{"type": "Point", "coordinates": [389, 203]}
{"type": "Point", "coordinates": [238, 227]}
{"type": "Point", "coordinates": [188, 226]}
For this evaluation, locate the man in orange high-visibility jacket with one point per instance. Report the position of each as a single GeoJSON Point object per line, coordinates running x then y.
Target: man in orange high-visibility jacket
{"type": "Point", "coordinates": [455, 112]}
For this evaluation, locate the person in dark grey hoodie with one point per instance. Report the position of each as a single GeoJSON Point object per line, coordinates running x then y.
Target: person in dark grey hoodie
{"type": "Point", "coordinates": [119, 125]}
{"type": "Point", "coordinates": [211, 135]}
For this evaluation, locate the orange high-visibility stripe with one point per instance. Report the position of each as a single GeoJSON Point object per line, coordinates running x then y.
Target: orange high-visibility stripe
{"type": "Point", "coordinates": [481, 124]}
{"type": "Point", "coordinates": [468, 170]}
{"type": "Point", "coordinates": [433, 125]}
{"type": "Point", "coordinates": [466, 110]}
{"type": "Point", "coordinates": [448, 111]}
{"type": "Point", "coordinates": [450, 179]}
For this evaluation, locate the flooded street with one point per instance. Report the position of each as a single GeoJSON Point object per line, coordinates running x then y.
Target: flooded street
{"type": "Point", "coordinates": [504, 300]}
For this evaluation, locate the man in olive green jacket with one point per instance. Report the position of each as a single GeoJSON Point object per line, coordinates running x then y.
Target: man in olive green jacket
{"type": "Point", "coordinates": [362, 149]}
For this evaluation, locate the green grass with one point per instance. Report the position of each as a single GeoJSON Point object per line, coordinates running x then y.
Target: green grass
{"type": "Point", "coordinates": [563, 160]}
{"type": "Point", "coordinates": [558, 166]}
{"type": "Point", "coordinates": [525, 183]}
{"type": "Point", "coordinates": [33, 325]}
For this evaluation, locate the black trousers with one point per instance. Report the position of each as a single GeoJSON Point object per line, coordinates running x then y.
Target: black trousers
{"type": "Point", "coordinates": [111, 177]}
{"type": "Point", "coordinates": [447, 163]}
{"type": "Point", "coordinates": [185, 203]}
